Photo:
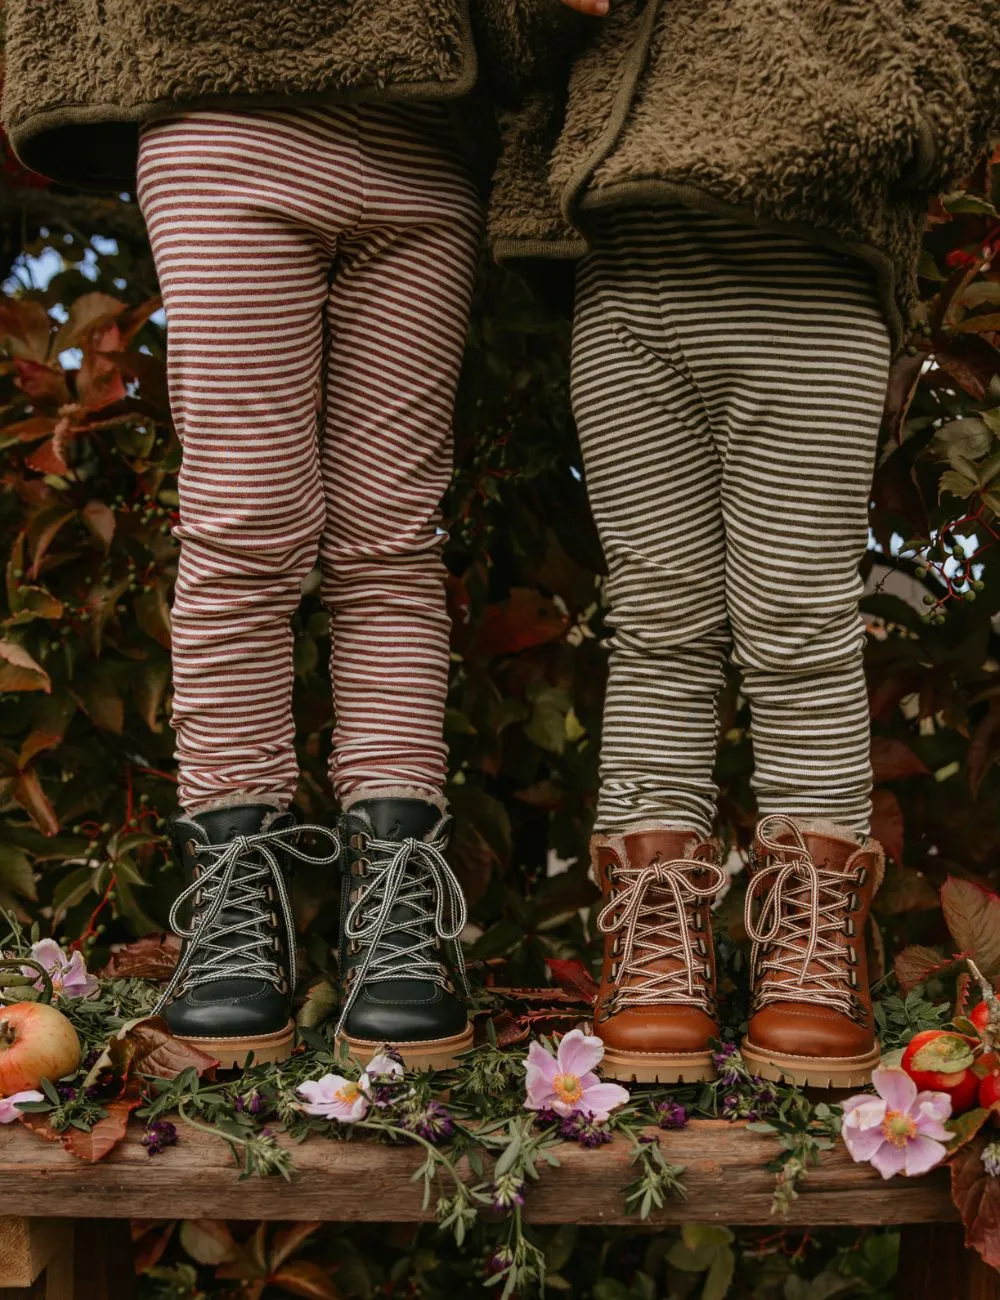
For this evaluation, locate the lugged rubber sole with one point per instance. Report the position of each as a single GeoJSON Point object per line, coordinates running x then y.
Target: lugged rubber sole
{"type": "Point", "coordinates": [656, 1067]}
{"type": "Point", "coordinates": [232, 1053]}
{"type": "Point", "coordinates": [811, 1071]}
{"type": "Point", "coordinates": [429, 1054]}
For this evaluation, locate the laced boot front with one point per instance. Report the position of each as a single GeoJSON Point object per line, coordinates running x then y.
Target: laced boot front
{"type": "Point", "coordinates": [656, 1012]}
{"type": "Point", "coordinates": [402, 909]}
{"type": "Point", "coordinates": [807, 907]}
{"type": "Point", "coordinates": [231, 991]}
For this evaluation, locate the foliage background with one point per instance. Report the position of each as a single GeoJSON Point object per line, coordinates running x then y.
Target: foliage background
{"type": "Point", "coordinates": [87, 498]}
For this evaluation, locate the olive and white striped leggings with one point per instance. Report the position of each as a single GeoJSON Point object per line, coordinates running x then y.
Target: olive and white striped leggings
{"type": "Point", "coordinates": [310, 258]}
{"type": "Point", "coordinates": [728, 384]}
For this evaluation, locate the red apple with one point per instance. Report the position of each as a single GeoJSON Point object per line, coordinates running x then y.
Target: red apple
{"type": "Point", "coordinates": [36, 1042]}
{"type": "Point", "coordinates": [936, 1048]}
{"type": "Point", "coordinates": [980, 1016]}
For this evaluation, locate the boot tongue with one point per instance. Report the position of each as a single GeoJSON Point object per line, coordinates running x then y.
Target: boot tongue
{"type": "Point", "coordinates": [219, 827]}
{"type": "Point", "coordinates": [662, 845]}
{"type": "Point", "coordinates": [398, 819]}
{"type": "Point", "coordinates": [223, 824]}
{"type": "Point", "coordinates": [646, 848]}
{"type": "Point", "coordinates": [829, 852]}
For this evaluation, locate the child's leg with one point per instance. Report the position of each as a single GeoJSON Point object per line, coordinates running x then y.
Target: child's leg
{"type": "Point", "coordinates": [398, 314]}
{"type": "Point", "coordinates": [244, 273]}
{"type": "Point", "coordinates": [653, 475]}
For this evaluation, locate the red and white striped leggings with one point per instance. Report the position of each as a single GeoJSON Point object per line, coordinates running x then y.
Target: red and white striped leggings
{"type": "Point", "coordinates": [311, 260]}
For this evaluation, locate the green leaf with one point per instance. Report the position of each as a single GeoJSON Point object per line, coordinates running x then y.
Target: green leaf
{"type": "Point", "coordinates": [948, 1054]}
{"type": "Point", "coordinates": [16, 873]}
{"type": "Point", "coordinates": [720, 1275]}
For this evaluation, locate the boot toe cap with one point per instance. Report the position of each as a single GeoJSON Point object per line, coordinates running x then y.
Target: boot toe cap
{"type": "Point", "coordinates": [658, 1030]}
{"type": "Point", "coordinates": [393, 1020]}
{"type": "Point", "coordinates": [794, 1029]}
{"type": "Point", "coordinates": [228, 1009]}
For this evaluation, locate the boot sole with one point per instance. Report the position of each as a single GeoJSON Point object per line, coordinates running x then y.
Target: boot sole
{"type": "Point", "coordinates": [232, 1053]}
{"type": "Point", "coordinates": [428, 1054]}
{"type": "Point", "coordinates": [811, 1071]}
{"type": "Point", "coordinates": [654, 1067]}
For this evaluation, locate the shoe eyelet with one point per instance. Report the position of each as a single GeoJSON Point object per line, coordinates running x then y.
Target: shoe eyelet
{"type": "Point", "coordinates": [862, 875]}
{"type": "Point", "coordinates": [191, 848]}
{"type": "Point", "coordinates": [708, 971]}
{"type": "Point", "coordinates": [849, 927]}
{"type": "Point", "coordinates": [614, 970]}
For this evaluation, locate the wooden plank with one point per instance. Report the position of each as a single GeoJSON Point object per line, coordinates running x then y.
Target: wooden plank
{"type": "Point", "coordinates": [27, 1244]}
{"type": "Point", "coordinates": [359, 1181]}
{"type": "Point", "coordinates": [102, 1261]}
{"type": "Point", "coordinates": [935, 1265]}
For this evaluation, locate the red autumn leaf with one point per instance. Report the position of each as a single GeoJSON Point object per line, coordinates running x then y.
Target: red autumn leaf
{"type": "Point", "coordinates": [964, 1128]}
{"type": "Point", "coordinates": [152, 613]}
{"type": "Point", "coordinates": [916, 964]}
{"type": "Point", "coordinates": [85, 314]}
{"type": "Point", "coordinates": [47, 459]}
{"type": "Point", "coordinates": [27, 790]}
{"type": "Point", "coordinates": [971, 362]}
{"type": "Point", "coordinates": [208, 1241]}
{"type": "Point", "coordinates": [972, 914]}
{"type": "Point", "coordinates": [977, 1196]}
{"type": "Point", "coordinates": [100, 519]}
{"type": "Point", "coordinates": [151, 958]}
{"type": "Point", "coordinates": [19, 672]}
{"type": "Point", "coordinates": [25, 327]}
{"type": "Point", "coordinates": [304, 1278]}
{"type": "Point", "coordinates": [573, 977]}
{"type": "Point", "coordinates": [44, 384]}
{"type": "Point", "coordinates": [160, 1054]}
{"type": "Point", "coordinates": [888, 825]}
{"type": "Point", "coordinates": [903, 380]}
{"type": "Point", "coordinates": [892, 760]}
{"type": "Point", "coordinates": [289, 1240]}
{"type": "Point", "coordinates": [984, 746]}
{"type": "Point", "coordinates": [106, 1133]}
{"type": "Point", "coordinates": [526, 619]}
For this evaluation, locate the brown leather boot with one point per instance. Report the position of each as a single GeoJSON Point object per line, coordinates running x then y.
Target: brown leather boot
{"type": "Point", "coordinates": [655, 1009]}
{"type": "Point", "coordinates": [811, 890]}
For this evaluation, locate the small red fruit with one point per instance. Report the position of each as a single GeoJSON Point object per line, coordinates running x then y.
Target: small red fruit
{"type": "Point", "coordinates": [937, 1047]}
{"type": "Point", "coordinates": [980, 1016]}
{"type": "Point", "coordinates": [989, 1090]}
{"type": "Point", "coordinates": [36, 1042]}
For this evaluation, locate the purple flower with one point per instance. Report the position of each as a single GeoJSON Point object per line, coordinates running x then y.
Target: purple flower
{"type": "Point", "coordinates": [433, 1123]}
{"type": "Point", "coordinates": [546, 1117]}
{"type": "Point", "coordinates": [498, 1263]}
{"type": "Point", "coordinates": [901, 1131]}
{"type": "Point", "coordinates": [586, 1130]}
{"type": "Point", "coordinates": [66, 1091]}
{"type": "Point", "coordinates": [671, 1114]}
{"type": "Point", "coordinates": [68, 974]}
{"type": "Point", "coordinates": [250, 1103]}
{"type": "Point", "coordinates": [566, 1082]}
{"type": "Point", "coordinates": [159, 1135]}
{"type": "Point", "coordinates": [8, 1105]}
{"type": "Point", "coordinates": [507, 1192]}
{"type": "Point", "coordinates": [647, 1139]}
{"type": "Point", "coordinates": [731, 1103]}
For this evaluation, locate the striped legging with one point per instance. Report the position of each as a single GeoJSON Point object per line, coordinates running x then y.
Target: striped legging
{"type": "Point", "coordinates": [311, 260]}
{"type": "Point", "coordinates": [728, 384]}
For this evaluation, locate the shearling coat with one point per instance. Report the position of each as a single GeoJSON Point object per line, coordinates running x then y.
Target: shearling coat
{"type": "Point", "coordinates": [80, 74]}
{"type": "Point", "coordinates": [835, 119]}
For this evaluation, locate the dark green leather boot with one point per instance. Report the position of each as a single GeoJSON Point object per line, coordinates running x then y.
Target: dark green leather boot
{"type": "Point", "coordinates": [231, 993]}
{"type": "Point", "coordinates": [400, 905]}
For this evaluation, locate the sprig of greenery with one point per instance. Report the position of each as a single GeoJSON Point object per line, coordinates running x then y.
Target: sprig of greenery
{"type": "Point", "coordinates": [804, 1130]}
{"type": "Point", "coordinates": [657, 1179]}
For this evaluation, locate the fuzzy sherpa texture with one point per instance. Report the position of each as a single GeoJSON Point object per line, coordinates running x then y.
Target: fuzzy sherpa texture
{"type": "Point", "coordinates": [837, 121]}
{"type": "Point", "coordinates": [616, 842]}
{"type": "Point", "coordinates": [433, 797]}
{"type": "Point", "coordinates": [74, 69]}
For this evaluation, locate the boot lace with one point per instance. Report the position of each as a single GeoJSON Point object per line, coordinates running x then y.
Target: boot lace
{"type": "Point", "coordinates": [794, 911]}
{"type": "Point", "coordinates": [414, 876]}
{"type": "Point", "coordinates": [238, 877]}
{"type": "Point", "coordinates": [650, 929]}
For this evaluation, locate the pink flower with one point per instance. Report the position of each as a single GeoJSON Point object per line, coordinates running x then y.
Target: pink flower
{"type": "Point", "coordinates": [334, 1097]}
{"type": "Point", "coordinates": [901, 1131]}
{"type": "Point", "coordinates": [566, 1082]}
{"type": "Point", "coordinates": [68, 974]}
{"type": "Point", "coordinates": [8, 1105]}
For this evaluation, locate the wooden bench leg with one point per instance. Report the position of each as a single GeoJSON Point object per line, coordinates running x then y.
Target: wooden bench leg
{"type": "Point", "coordinates": [26, 1247]}
{"type": "Point", "coordinates": [102, 1261]}
{"type": "Point", "coordinates": [935, 1265]}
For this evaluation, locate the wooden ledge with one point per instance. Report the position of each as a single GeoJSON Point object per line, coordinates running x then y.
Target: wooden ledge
{"type": "Point", "coordinates": [358, 1180]}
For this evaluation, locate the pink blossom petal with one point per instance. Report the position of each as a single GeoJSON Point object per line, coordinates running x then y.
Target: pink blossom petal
{"type": "Point", "coordinates": [384, 1065]}
{"type": "Point", "coordinates": [600, 1099]}
{"type": "Point", "coordinates": [923, 1154]}
{"type": "Point", "coordinates": [869, 1113]}
{"type": "Point", "coordinates": [889, 1160]}
{"type": "Point", "coordinates": [932, 1106]}
{"type": "Point", "coordinates": [333, 1097]}
{"type": "Point", "coordinates": [859, 1099]}
{"type": "Point", "coordinates": [539, 1070]}
{"type": "Point", "coordinates": [8, 1105]}
{"type": "Point", "coordinates": [48, 954]}
{"type": "Point", "coordinates": [579, 1053]}
{"type": "Point", "coordinates": [862, 1143]}
{"type": "Point", "coordinates": [895, 1087]}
